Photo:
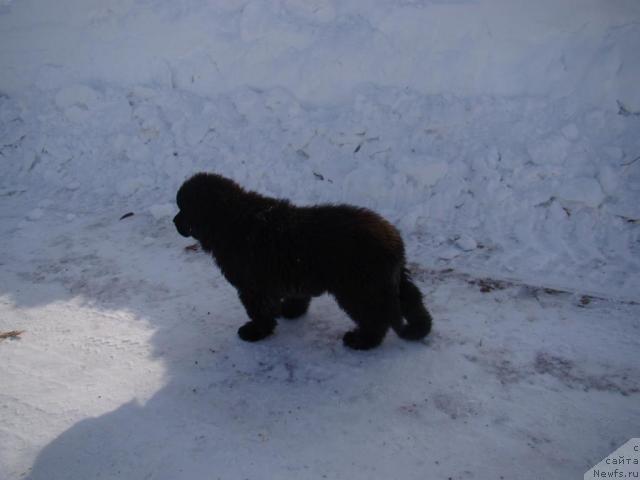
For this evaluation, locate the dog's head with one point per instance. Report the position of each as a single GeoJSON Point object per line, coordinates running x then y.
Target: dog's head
{"type": "Point", "coordinates": [202, 200]}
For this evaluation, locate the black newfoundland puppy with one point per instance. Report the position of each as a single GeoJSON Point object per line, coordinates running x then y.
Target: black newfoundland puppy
{"type": "Point", "coordinates": [278, 256]}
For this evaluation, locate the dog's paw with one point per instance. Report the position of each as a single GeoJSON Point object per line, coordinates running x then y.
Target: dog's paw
{"type": "Point", "coordinates": [356, 340]}
{"type": "Point", "coordinates": [252, 332]}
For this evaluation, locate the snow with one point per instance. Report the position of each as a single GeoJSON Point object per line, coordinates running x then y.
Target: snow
{"type": "Point", "coordinates": [500, 137]}
{"type": "Point", "coordinates": [35, 214]}
{"type": "Point", "coordinates": [493, 168]}
{"type": "Point", "coordinates": [126, 370]}
{"type": "Point", "coordinates": [465, 242]}
{"type": "Point", "coordinates": [162, 211]}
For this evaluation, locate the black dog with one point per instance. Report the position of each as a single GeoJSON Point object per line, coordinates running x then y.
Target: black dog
{"type": "Point", "coordinates": [278, 256]}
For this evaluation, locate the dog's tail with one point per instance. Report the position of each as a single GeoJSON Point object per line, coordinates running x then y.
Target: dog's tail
{"type": "Point", "coordinates": [417, 316]}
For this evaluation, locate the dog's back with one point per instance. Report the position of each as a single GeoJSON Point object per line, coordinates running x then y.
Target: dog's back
{"type": "Point", "coordinates": [329, 247]}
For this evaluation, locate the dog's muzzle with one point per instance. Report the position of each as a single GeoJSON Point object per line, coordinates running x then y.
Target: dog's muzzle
{"type": "Point", "coordinates": [183, 229]}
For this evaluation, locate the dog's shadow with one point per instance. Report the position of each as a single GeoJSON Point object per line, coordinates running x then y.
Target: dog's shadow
{"type": "Point", "coordinates": [227, 406]}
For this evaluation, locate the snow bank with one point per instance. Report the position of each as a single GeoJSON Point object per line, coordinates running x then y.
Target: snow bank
{"type": "Point", "coordinates": [490, 177]}
{"type": "Point", "coordinates": [500, 136]}
{"type": "Point", "coordinates": [320, 50]}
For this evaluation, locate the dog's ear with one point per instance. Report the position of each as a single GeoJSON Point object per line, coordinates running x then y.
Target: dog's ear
{"type": "Point", "coordinates": [206, 197]}
{"type": "Point", "coordinates": [196, 192]}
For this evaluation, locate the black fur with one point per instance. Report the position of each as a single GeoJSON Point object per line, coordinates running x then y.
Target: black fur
{"type": "Point", "coordinates": [278, 256]}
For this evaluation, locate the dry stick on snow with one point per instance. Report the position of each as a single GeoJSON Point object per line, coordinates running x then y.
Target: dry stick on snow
{"type": "Point", "coordinates": [631, 162]}
{"type": "Point", "coordinates": [11, 334]}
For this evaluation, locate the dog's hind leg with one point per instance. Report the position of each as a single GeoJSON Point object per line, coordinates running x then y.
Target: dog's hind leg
{"type": "Point", "coordinates": [373, 313]}
{"type": "Point", "coordinates": [418, 317]}
{"type": "Point", "coordinates": [262, 311]}
{"type": "Point", "coordinates": [294, 307]}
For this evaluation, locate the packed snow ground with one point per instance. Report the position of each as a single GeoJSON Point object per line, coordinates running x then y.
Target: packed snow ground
{"type": "Point", "coordinates": [130, 367]}
{"type": "Point", "coordinates": [500, 136]}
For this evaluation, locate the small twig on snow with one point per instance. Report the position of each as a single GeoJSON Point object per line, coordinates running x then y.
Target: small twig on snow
{"type": "Point", "coordinates": [11, 334]}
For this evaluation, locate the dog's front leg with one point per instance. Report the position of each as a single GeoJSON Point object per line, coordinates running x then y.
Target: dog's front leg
{"type": "Point", "coordinates": [262, 311]}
